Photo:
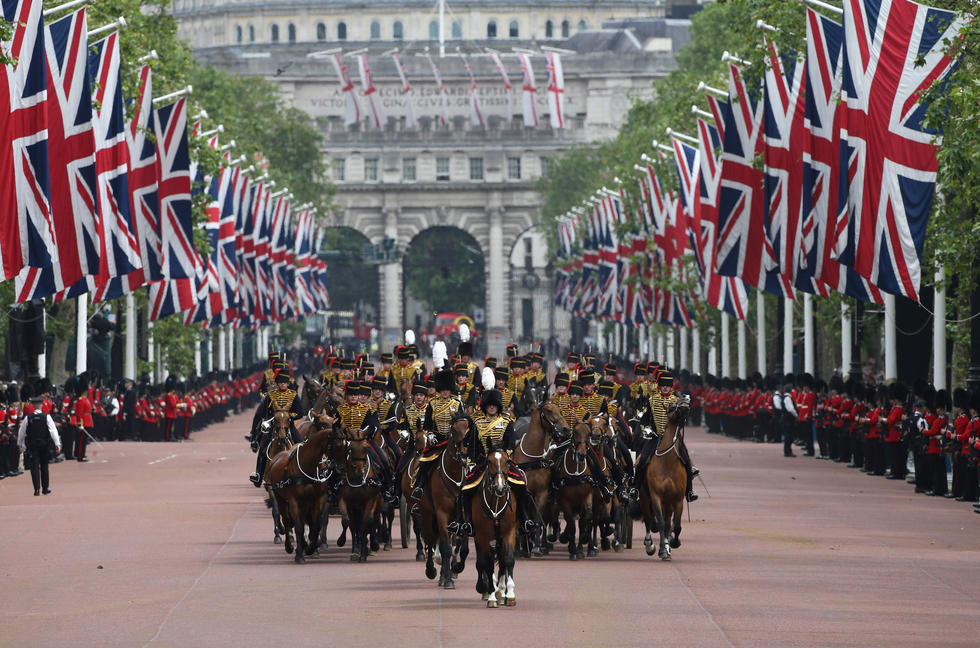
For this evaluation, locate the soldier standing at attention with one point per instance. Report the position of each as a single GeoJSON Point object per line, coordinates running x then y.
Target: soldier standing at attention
{"type": "Point", "coordinates": [38, 439]}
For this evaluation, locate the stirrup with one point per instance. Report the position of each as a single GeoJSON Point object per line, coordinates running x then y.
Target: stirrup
{"type": "Point", "coordinates": [417, 493]}
{"type": "Point", "coordinates": [529, 525]}
{"type": "Point", "coordinates": [465, 529]}
{"type": "Point", "coordinates": [453, 527]}
{"type": "Point", "coordinates": [691, 496]}
{"type": "Point", "coordinates": [256, 479]}
{"type": "Point", "coordinates": [694, 471]}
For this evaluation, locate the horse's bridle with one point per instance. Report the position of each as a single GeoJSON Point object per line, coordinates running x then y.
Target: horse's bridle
{"type": "Point", "coordinates": [488, 478]}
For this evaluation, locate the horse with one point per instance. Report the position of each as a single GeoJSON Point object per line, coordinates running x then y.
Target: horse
{"type": "Point", "coordinates": [300, 490]}
{"type": "Point", "coordinates": [494, 518]}
{"type": "Point", "coordinates": [438, 506]}
{"type": "Point", "coordinates": [533, 454]}
{"type": "Point", "coordinates": [575, 489]}
{"type": "Point", "coordinates": [662, 497]}
{"type": "Point", "coordinates": [281, 441]}
{"type": "Point", "coordinates": [360, 493]}
{"type": "Point", "coordinates": [410, 470]}
{"type": "Point", "coordinates": [310, 393]}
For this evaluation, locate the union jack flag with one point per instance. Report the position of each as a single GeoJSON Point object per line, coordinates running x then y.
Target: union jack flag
{"type": "Point", "coordinates": [120, 249]}
{"type": "Point", "coordinates": [608, 258]}
{"type": "Point", "coordinates": [25, 212]}
{"type": "Point", "coordinates": [71, 141]}
{"type": "Point", "coordinates": [893, 52]}
{"type": "Point", "coordinates": [743, 247]}
{"type": "Point", "coordinates": [824, 203]}
{"type": "Point", "coordinates": [178, 257]}
{"type": "Point", "coordinates": [143, 179]}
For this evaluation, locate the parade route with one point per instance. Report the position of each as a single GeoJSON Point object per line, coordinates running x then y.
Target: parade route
{"type": "Point", "coordinates": [169, 545]}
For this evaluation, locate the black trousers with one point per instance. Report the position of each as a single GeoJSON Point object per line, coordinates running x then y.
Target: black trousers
{"type": "Point", "coordinates": [970, 486]}
{"type": "Point", "coordinates": [937, 463]}
{"type": "Point", "coordinates": [38, 464]}
{"type": "Point", "coordinates": [897, 457]}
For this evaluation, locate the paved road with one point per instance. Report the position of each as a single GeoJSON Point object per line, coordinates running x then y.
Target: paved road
{"type": "Point", "coordinates": [169, 545]}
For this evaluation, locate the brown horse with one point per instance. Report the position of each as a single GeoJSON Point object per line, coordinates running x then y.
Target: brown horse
{"type": "Point", "coordinates": [534, 454]}
{"type": "Point", "coordinates": [494, 518]}
{"type": "Point", "coordinates": [607, 509]}
{"type": "Point", "coordinates": [360, 493]}
{"type": "Point", "coordinates": [300, 491]}
{"type": "Point", "coordinates": [575, 489]}
{"type": "Point", "coordinates": [662, 498]}
{"type": "Point", "coordinates": [438, 506]}
{"type": "Point", "coordinates": [407, 477]}
{"type": "Point", "coordinates": [281, 441]}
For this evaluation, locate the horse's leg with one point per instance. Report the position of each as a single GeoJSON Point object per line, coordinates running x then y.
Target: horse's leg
{"type": "Point", "coordinates": [445, 548]}
{"type": "Point", "coordinates": [663, 519]}
{"type": "Point", "coordinates": [675, 542]}
{"type": "Point", "coordinates": [618, 528]}
{"type": "Point", "coordinates": [481, 565]}
{"type": "Point", "coordinates": [505, 547]}
{"type": "Point", "coordinates": [295, 514]}
{"type": "Point", "coordinates": [404, 521]}
{"type": "Point", "coordinates": [462, 551]}
{"type": "Point", "coordinates": [585, 529]}
{"type": "Point", "coordinates": [568, 535]}
{"type": "Point", "coordinates": [277, 527]}
{"type": "Point", "coordinates": [344, 520]}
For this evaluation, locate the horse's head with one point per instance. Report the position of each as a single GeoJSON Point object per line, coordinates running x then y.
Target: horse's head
{"type": "Point", "coordinates": [581, 433]}
{"type": "Point", "coordinates": [281, 424]}
{"type": "Point", "coordinates": [460, 428]}
{"type": "Point", "coordinates": [678, 411]}
{"type": "Point", "coordinates": [356, 442]}
{"type": "Point", "coordinates": [553, 421]}
{"type": "Point", "coordinates": [496, 477]}
{"type": "Point", "coordinates": [601, 430]}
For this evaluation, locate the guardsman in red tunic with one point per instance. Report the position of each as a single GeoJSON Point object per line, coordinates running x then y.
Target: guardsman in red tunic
{"type": "Point", "coordinates": [170, 403]}
{"type": "Point", "coordinates": [83, 419]}
{"type": "Point", "coordinates": [935, 460]}
{"type": "Point", "coordinates": [895, 452]}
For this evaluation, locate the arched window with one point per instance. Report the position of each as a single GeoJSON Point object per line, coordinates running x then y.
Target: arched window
{"type": "Point", "coordinates": [238, 33]}
{"type": "Point", "coordinates": [275, 33]}
{"type": "Point", "coordinates": [375, 30]}
{"type": "Point", "coordinates": [582, 26]}
{"type": "Point", "coordinates": [457, 29]}
{"type": "Point", "coordinates": [321, 32]}
{"type": "Point", "coordinates": [564, 29]}
{"type": "Point", "coordinates": [549, 29]}
{"type": "Point", "coordinates": [251, 33]}
{"type": "Point", "coordinates": [513, 29]}
{"type": "Point", "coordinates": [398, 30]}
{"type": "Point", "coordinates": [433, 30]}
{"type": "Point", "coordinates": [291, 33]}
{"type": "Point", "coordinates": [342, 31]}
{"type": "Point", "coordinates": [492, 29]}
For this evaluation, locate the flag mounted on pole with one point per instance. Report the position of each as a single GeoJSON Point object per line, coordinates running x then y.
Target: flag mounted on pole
{"type": "Point", "coordinates": [409, 96]}
{"type": "Point", "coordinates": [352, 108]}
{"type": "Point", "coordinates": [508, 88]}
{"type": "Point", "coordinates": [476, 113]}
{"type": "Point", "coordinates": [441, 90]}
{"type": "Point", "coordinates": [528, 91]}
{"type": "Point", "coordinates": [377, 111]}
{"type": "Point", "coordinates": [556, 90]}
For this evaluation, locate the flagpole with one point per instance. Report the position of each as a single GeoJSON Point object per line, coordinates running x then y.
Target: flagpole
{"type": "Point", "coordinates": [760, 332]}
{"type": "Point", "coordinates": [671, 357]}
{"type": "Point", "coordinates": [81, 334]}
{"type": "Point", "coordinates": [222, 349]}
{"type": "Point", "coordinates": [788, 336]}
{"type": "Point", "coordinates": [211, 366]}
{"type": "Point", "coordinates": [846, 340]}
{"type": "Point", "coordinates": [442, 28]}
{"type": "Point", "coordinates": [713, 354]}
{"type": "Point", "coordinates": [726, 361]}
{"type": "Point", "coordinates": [939, 332]}
{"type": "Point", "coordinates": [742, 362]}
{"type": "Point", "coordinates": [661, 348]}
{"type": "Point", "coordinates": [150, 351]}
{"type": "Point", "coordinates": [808, 358]}
{"type": "Point", "coordinates": [696, 351]}
{"type": "Point", "coordinates": [130, 359]}
{"type": "Point", "coordinates": [197, 355]}
{"type": "Point", "coordinates": [891, 353]}
{"type": "Point", "coordinates": [682, 364]}
{"type": "Point", "coordinates": [42, 358]}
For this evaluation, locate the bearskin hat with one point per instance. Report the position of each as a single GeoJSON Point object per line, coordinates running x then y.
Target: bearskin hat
{"type": "Point", "coordinates": [942, 400]}
{"type": "Point", "coordinates": [836, 383]}
{"type": "Point", "coordinates": [501, 373]}
{"type": "Point", "coordinates": [443, 380]}
{"type": "Point", "coordinates": [491, 397]}
{"type": "Point", "coordinates": [961, 398]}
{"type": "Point", "coordinates": [465, 349]}
{"type": "Point", "coordinates": [171, 382]}
{"type": "Point", "coordinates": [897, 391]}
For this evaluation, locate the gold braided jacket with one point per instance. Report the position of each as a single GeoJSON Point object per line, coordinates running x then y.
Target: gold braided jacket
{"type": "Point", "coordinates": [401, 374]}
{"type": "Point", "coordinates": [352, 415]}
{"type": "Point", "coordinates": [658, 407]}
{"type": "Point", "coordinates": [443, 410]}
{"type": "Point", "coordinates": [279, 400]}
{"type": "Point", "coordinates": [573, 412]}
{"type": "Point", "coordinates": [473, 370]}
{"type": "Point", "coordinates": [516, 384]}
{"type": "Point", "coordinates": [506, 397]}
{"type": "Point", "coordinates": [465, 394]}
{"type": "Point", "coordinates": [383, 407]}
{"type": "Point", "coordinates": [537, 374]}
{"type": "Point", "coordinates": [413, 415]}
{"type": "Point", "coordinates": [490, 430]}
{"type": "Point", "coordinates": [560, 400]}
{"type": "Point", "coordinates": [593, 402]}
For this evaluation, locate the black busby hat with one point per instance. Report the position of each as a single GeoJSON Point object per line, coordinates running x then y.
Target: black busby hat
{"type": "Point", "coordinates": [367, 370]}
{"type": "Point", "coordinates": [511, 350]}
{"type": "Point", "coordinates": [420, 388]}
{"type": "Point", "coordinates": [586, 375]}
{"type": "Point", "coordinates": [836, 383]}
{"type": "Point", "coordinates": [501, 373]}
{"type": "Point", "coordinates": [640, 369]}
{"type": "Point", "coordinates": [461, 370]}
{"type": "Point", "coordinates": [665, 379]}
{"type": "Point", "coordinates": [283, 376]}
{"type": "Point", "coordinates": [352, 387]}
{"type": "Point", "coordinates": [562, 379]}
{"type": "Point", "coordinates": [537, 357]}
{"type": "Point", "coordinates": [491, 397]}
{"type": "Point", "coordinates": [490, 361]}
{"type": "Point", "coordinates": [25, 393]}
{"type": "Point", "coordinates": [607, 389]}
{"type": "Point", "coordinates": [588, 360]}
{"type": "Point", "coordinates": [575, 388]}
{"type": "Point", "coordinates": [443, 380]}
{"type": "Point", "coordinates": [171, 382]}
{"type": "Point", "coordinates": [364, 388]}
{"type": "Point", "coordinates": [518, 363]}
{"type": "Point", "coordinates": [348, 364]}
{"type": "Point", "coordinates": [387, 358]}
{"type": "Point", "coordinates": [413, 350]}
{"type": "Point", "coordinates": [961, 398]}
{"type": "Point", "coordinates": [379, 383]}
{"type": "Point", "coordinates": [609, 369]}
{"type": "Point", "coordinates": [465, 349]}
{"type": "Point", "coordinates": [572, 358]}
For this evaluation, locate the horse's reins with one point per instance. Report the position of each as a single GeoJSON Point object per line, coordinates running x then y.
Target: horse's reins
{"type": "Point", "coordinates": [495, 513]}
{"type": "Point", "coordinates": [548, 446]}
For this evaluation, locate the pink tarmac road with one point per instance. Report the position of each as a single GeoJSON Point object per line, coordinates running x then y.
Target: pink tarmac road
{"type": "Point", "coordinates": [169, 545]}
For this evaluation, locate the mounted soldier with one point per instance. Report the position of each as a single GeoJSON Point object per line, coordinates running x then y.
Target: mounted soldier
{"type": "Point", "coordinates": [358, 414]}
{"type": "Point", "coordinates": [659, 402]}
{"type": "Point", "coordinates": [440, 412]}
{"type": "Point", "coordinates": [282, 398]}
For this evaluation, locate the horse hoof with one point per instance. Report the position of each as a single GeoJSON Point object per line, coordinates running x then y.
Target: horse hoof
{"type": "Point", "coordinates": [605, 544]}
{"type": "Point", "coordinates": [665, 558]}
{"type": "Point", "coordinates": [492, 604]}
{"type": "Point", "coordinates": [458, 568]}
{"type": "Point", "coordinates": [486, 596]}
{"type": "Point", "coordinates": [289, 548]}
{"type": "Point", "coordinates": [404, 545]}
{"type": "Point", "coordinates": [449, 584]}
{"type": "Point", "coordinates": [563, 538]}
{"type": "Point", "coordinates": [617, 546]}
{"type": "Point", "coordinates": [420, 557]}
{"type": "Point", "coordinates": [439, 559]}
{"type": "Point", "coordinates": [536, 552]}
{"type": "Point", "coordinates": [300, 559]}
{"type": "Point", "coordinates": [277, 540]}
{"type": "Point", "coordinates": [650, 550]}
{"type": "Point", "coordinates": [572, 556]}
{"type": "Point", "coordinates": [648, 542]}
{"type": "Point", "coordinates": [592, 553]}
{"type": "Point", "coordinates": [430, 572]}
{"type": "Point", "coordinates": [675, 543]}
{"type": "Point", "coordinates": [510, 602]}
{"type": "Point", "coordinates": [363, 559]}
{"type": "Point", "coordinates": [373, 552]}
{"type": "Point", "coordinates": [354, 557]}
{"type": "Point", "coordinates": [387, 547]}
{"type": "Point", "coordinates": [581, 553]}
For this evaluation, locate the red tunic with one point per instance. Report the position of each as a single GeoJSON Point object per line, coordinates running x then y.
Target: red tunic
{"type": "Point", "coordinates": [894, 424]}
{"type": "Point", "coordinates": [170, 405]}
{"type": "Point", "coordinates": [83, 411]}
{"type": "Point", "coordinates": [934, 434]}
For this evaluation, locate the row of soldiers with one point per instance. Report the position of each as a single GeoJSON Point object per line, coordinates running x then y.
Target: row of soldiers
{"type": "Point", "coordinates": [879, 429]}
{"type": "Point", "coordinates": [89, 408]}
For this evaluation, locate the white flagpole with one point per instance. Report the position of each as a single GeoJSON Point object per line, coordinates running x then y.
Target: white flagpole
{"type": "Point", "coordinates": [713, 354]}
{"type": "Point", "coordinates": [808, 356]}
{"type": "Point", "coordinates": [891, 353]}
{"type": "Point", "coordinates": [671, 358]}
{"type": "Point", "coordinates": [939, 333]}
{"type": "Point", "coordinates": [743, 372]}
{"type": "Point", "coordinates": [682, 364]}
{"type": "Point", "coordinates": [760, 333]}
{"type": "Point", "coordinates": [846, 340]}
{"type": "Point", "coordinates": [696, 351]}
{"type": "Point", "coordinates": [130, 359]}
{"type": "Point", "coordinates": [726, 361]}
{"type": "Point", "coordinates": [81, 333]}
{"type": "Point", "coordinates": [788, 336]}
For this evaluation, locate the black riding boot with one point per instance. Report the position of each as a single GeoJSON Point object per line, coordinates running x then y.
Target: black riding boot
{"type": "Point", "coordinates": [252, 438]}
{"type": "Point", "coordinates": [462, 525]}
{"type": "Point", "coordinates": [260, 460]}
{"type": "Point", "coordinates": [600, 477]}
{"type": "Point", "coordinates": [418, 488]}
{"type": "Point", "coordinates": [525, 509]}
{"type": "Point", "coordinates": [692, 472]}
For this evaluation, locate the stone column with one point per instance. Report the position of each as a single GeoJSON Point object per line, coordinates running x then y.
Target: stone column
{"type": "Point", "coordinates": [392, 295]}
{"type": "Point", "coordinates": [498, 333]}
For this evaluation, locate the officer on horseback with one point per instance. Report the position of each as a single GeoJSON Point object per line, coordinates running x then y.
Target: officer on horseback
{"type": "Point", "coordinates": [358, 414]}
{"type": "Point", "coordinates": [439, 415]}
{"type": "Point", "coordinates": [659, 403]}
{"type": "Point", "coordinates": [278, 399]}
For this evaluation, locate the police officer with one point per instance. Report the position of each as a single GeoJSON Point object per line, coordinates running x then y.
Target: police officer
{"type": "Point", "coordinates": [38, 439]}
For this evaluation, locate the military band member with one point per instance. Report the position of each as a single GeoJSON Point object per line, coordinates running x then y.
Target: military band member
{"type": "Point", "coordinates": [464, 386]}
{"type": "Point", "coordinates": [500, 376]}
{"type": "Point", "coordinates": [269, 377]}
{"type": "Point", "coordinates": [279, 399]}
{"type": "Point", "coordinates": [536, 372]}
{"type": "Point", "coordinates": [358, 414]}
{"type": "Point", "coordinates": [440, 412]}
{"type": "Point", "coordinates": [403, 372]}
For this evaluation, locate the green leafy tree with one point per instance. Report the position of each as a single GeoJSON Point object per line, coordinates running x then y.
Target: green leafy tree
{"type": "Point", "coordinates": [444, 268]}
